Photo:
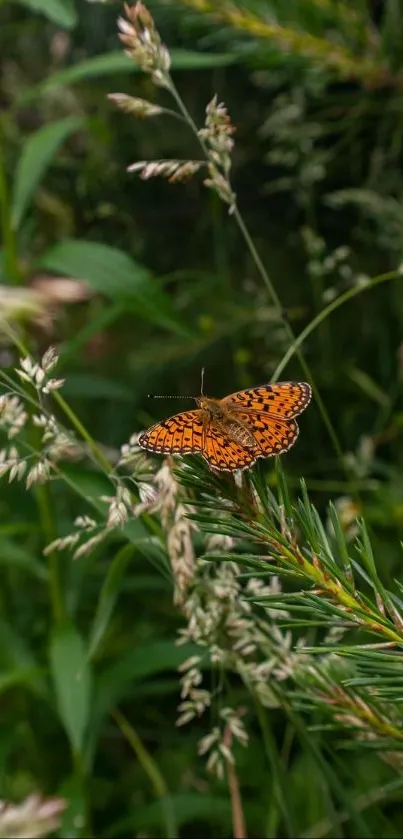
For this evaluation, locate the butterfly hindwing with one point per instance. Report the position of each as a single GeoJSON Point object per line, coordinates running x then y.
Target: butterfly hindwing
{"type": "Point", "coordinates": [273, 435]}
{"type": "Point", "coordinates": [223, 453]}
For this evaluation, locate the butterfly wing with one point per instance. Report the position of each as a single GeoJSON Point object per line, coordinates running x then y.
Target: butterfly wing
{"type": "Point", "coordinates": [185, 434]}
{"type": "Point", "coordinates": [273, 435]}
{"type": "Point", "coordinates": [285, 400]}
{"type": "Point", "coordinates": [267, 411]}
{"type": "Point", "coordinates": [225, 454]}
{"type": "Point", "coordinates": [180, 434]}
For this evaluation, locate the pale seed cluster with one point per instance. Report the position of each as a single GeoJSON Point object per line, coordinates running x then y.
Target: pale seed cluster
{"type": "Point", "coordinates": [18, 416]}
{"type": "Point", "coordinates": [138, 33]}
{"type": "Point", "coordinates": [38, 374]}
{"type": "Point", "coordinates": [33, 818]}
{"type": "Point", "coordinates": [222, 620]}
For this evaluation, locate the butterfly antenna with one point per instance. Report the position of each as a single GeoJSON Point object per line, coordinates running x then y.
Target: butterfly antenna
{"type": "Point", "coordinates": [168, 396]}
{"type": "Point", "coordinates": [180, 396]}
{"type": "Point", "coordinates": [202, 381]}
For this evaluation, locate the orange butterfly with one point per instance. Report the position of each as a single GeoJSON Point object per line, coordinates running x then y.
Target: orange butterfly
{"type": "Point", "coordinates": [231, 433]}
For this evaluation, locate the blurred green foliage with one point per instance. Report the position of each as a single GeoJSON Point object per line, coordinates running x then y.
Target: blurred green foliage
{"type": "Point", "coordinates": [314, 89]}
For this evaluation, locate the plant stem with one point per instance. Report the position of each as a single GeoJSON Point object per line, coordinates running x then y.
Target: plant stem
{"type": "Point", "coordinates": [335, 304]}
{"type": "Point", "coordinates": [8, 236]}
{"type": "Point", "coordinates": [102, 461]}
{"type": "Point", "coordinates": [152, 771]}
{"type": "Point", "coordinates": [43, 501]}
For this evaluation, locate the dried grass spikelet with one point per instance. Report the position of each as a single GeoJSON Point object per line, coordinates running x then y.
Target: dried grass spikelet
{"type": "Point", "coordinates": [39, 303]}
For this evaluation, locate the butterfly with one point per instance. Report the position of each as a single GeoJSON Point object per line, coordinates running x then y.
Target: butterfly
{"type": "Point", "coordinates": [232, 433]}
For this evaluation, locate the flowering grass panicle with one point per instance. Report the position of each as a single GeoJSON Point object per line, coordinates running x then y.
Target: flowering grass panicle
{"type": "Point", "coordinates": [136, 106]}
{"type": "Point", "coordinates": [13, 415]}
{"type": "Point", "coordinates": [120, 507]}
{"type": "Point", "coordinates": [21, 415]}
{"type": "Point", "coordinates": [173, 170]}
{"type": "Point", "coordinates": [38, 374]}
{"type": "Point", "coordinates": [217, 746]}
{"type": "Point", "coordinates": [222, 620]}
{"type": "Point", "coordinates": [138, 33]}
{"type": "Point", "coordinates": [33, 818]}
{"type": "Point", "coordinates": [167, 499]}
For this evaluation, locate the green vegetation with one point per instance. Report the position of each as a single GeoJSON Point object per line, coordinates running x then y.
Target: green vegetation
{"type": "Point", "coordinates": [185, 652]}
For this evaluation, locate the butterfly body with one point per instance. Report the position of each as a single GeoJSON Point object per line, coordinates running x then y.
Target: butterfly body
{"type": "Point", "coordinates": [225, 421]}
{"type": "Point", "coordinates": [232, 433]}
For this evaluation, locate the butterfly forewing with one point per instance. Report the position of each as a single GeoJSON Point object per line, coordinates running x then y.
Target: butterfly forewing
{"type": "Point", "coordinates": [180, 434]}
{"type": "Point", "coordinates": [284, 399]}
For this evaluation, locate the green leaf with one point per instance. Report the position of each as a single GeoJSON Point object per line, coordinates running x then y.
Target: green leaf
{"type": "Point", "coordinates": [29, 677]}
{"type": "Point", "coordinates": [72, 682]}
{"type": "Point", "coordinates": [108, 597]}
{"type": "Point", "coordinates": [36, 157]}
{"type": "Point", "coordinates": [113, 63]}
{"type": "Point", "coordinates": [98, 322]}
{"type": "Point", "coordinates": [369, 387]}
{"type": "Point", "coordinates": [114, 273]}
{"type": "Point", "coordinates": [62, 12]}
{"type": "Point", "coordinates": [189, 60]}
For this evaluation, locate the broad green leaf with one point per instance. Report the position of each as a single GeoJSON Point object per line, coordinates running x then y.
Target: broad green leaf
{"type": "Point", "coordinates": [36, 157]}
{"type": "Point", "coordinates": [117, 62]}
{"type": "Point", "coordinates": [107, 599]}
{"type": "Point", "coordinates": [72, 682]}
{"type": "Point", "coordinates": [62, 12]}
{"type": "Point", "coordinates": [114, 273]}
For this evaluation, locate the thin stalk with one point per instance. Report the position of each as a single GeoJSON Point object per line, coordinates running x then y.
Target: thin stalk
{"type": "Point", "coordinates": [152, 771]}
{"type": "Point", "coordinates": [102, 461]}
{"type": "Point", "coordinates": [85, 827]}
{"type": "Point", "coordinates": [277, 774]}
{"type": "Point", "coordinates": [335, 304]}
{"type": "Point", "coordinates": [43, 500]}
{"type": "Point", "coordinates": [8, 236]}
